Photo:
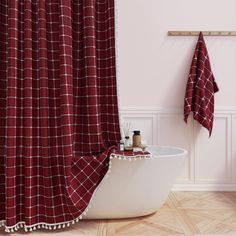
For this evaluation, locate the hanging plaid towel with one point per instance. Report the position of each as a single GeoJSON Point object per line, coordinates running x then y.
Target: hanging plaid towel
{"type": "Point", "coordinates": [200, 89]}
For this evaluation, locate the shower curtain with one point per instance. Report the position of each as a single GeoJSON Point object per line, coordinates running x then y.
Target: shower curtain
{"type": "Point", "coordinates": [58, 108]}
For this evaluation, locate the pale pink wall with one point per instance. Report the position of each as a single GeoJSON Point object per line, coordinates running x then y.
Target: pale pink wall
{"type": "Point", "coordinates": [153, 67]}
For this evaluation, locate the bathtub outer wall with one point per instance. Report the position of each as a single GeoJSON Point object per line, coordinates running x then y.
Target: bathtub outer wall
{"type": "Point", "coordinates": [135, 188]}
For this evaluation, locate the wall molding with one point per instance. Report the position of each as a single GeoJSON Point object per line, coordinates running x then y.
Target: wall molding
{"type": "Point", "coordinates": [158, 109]}
{"type": "Point", "coordinates": [156, 120]}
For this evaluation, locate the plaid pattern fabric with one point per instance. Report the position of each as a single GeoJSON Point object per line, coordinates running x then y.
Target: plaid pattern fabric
{"type": "Point", "coordinates": [58, 107]}
{"type": "Point", "coordinates": [200, 89]}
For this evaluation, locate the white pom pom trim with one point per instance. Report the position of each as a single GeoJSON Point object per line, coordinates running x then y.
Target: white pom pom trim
{"type": "Point", "coordinates": [63, 225]}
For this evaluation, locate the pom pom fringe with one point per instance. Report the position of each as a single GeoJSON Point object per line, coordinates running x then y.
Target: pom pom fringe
{"type": "Point", "coordinates": [132, 158]}
{"type": "Point", "coordinates": [62, 225]}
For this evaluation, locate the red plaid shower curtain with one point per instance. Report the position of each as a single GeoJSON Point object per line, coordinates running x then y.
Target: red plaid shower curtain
{"type": "Point", "coordinates": [58, 108]}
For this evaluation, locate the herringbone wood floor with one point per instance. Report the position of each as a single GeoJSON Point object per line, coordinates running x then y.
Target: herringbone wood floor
{"type": "Point", "coordinates": [184, 213]}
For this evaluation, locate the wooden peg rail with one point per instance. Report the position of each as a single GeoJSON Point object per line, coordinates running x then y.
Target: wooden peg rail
{"type": "Point", "coordinates": [205, 33]}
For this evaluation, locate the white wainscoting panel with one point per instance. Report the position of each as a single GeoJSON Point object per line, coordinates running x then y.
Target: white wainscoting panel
{"type": "Point", "coordinates": [170, 126]}
{"type": "Point", "coordinates": [145, 125]}
{"type": "Point", "coordinates": [146, 122]}
{"type": "Point", "coordinates": [234, 148]}
{"type": "Point", "coordinates": [211, 162]}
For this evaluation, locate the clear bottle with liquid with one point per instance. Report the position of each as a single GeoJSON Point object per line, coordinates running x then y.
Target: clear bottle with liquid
{"type": "Point", "coordinates": [121, 146]}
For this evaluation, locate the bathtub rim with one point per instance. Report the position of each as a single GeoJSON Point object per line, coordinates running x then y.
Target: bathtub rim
{"type": "Point", "coordinates": [152, 156]}
{"type": "Point", "coordinates": [183, 154]}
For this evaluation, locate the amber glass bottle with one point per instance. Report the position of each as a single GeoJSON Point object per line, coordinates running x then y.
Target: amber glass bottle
{"type": "Point", "coordinates": [136, 139]}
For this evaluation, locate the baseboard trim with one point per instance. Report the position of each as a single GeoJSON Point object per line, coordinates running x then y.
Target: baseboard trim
{"type": "Point", "coordinates": [204, 187]}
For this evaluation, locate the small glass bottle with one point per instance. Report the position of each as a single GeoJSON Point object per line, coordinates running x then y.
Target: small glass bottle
{"type": "Point", "coordinates": [136, 139]}
{"type": "Point", "coordinates": [127, 142]}
{"type": "Point", "coordinates": [121, 146]}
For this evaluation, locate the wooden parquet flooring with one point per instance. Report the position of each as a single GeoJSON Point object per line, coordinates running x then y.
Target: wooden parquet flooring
{"type": "Point", "coordinates": [184, 213]}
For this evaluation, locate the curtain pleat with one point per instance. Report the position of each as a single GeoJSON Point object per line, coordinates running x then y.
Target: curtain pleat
{"type": "Point", "coordinates": [58, 108]}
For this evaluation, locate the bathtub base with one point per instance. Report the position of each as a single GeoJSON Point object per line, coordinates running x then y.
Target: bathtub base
{"type": "Point", "coordinates": [109, 217]}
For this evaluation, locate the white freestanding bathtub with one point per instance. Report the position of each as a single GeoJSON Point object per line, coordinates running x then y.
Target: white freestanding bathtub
{"type": "Point", "coordinates": [137, 188]}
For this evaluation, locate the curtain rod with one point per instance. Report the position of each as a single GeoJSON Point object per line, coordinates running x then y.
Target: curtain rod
{"type": "Point", "coordinates": [205, 33]}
